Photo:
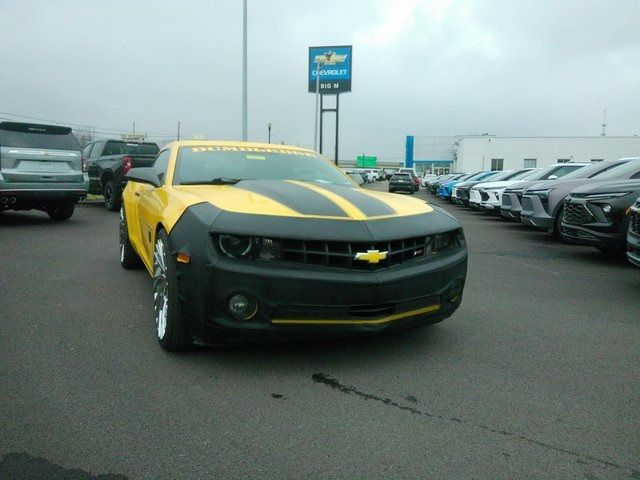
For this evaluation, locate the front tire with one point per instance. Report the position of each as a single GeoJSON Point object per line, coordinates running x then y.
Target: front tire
{"type": "Point", "coordinates": [129, 259]}
{"type": "Point", "coordinates": [61, 212]}
{"type": "Point", "coordinates": [171, 328]}
{"type": "Point", "coordinates": [112, 196]}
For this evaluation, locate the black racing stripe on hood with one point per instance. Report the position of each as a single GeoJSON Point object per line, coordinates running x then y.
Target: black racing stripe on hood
{"type": "Point", "coordinates": [300, 199]}
{"type": "Point", "coordinates": [322, 229]}
{"type": "Point", "coordinates": [370, 206]}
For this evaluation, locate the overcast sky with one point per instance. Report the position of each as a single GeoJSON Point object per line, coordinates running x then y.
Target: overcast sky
{"type": "Point", "coordinates": [421, 67]}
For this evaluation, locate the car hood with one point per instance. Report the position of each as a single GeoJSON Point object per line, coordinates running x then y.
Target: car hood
{"type": "Point", "coordinates": [288, 198]}
{"type": "Point", "coordinates": [504, 184]}
{"type": "Point", "coordinates": [608, 186]}
{"type": "Point", "coordinates": [304, 210]}
{"type": "Point", "coordinates": [560, 185]}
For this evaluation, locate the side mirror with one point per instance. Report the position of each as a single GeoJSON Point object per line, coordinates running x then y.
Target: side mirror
{"type": "Point", "coordinates": [552, 177]}
{"type": "Point", "coordinates": [148, 175]}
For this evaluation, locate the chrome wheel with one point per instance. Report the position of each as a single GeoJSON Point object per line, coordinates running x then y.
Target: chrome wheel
{"type": "Point", "coordinates": [160, 288]}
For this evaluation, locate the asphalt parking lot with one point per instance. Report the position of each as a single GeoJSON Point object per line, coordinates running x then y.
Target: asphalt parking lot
{"type": "Point", "coordinates": [535, 376]}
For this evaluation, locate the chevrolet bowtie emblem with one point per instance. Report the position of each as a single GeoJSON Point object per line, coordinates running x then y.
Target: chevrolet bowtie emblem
{"type": "Point", "coordinates": [372, 256]}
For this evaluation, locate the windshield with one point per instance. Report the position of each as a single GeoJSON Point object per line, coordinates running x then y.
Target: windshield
{"type": "Point", "coordinates": [591, 170]}
{"type": "Point", "coordinates": [505, 175]}
{"type": "Point", "coordinates": [525, 174]}
{"type": "Point", "coordinates": [620, 171]}
{"type": "Point", "coordinates": [204, 164]}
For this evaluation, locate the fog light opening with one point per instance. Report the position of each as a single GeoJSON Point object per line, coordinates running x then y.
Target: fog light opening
{"type": "Point", "coordinates": [456, 290]}
{"type": "Point", "coordinates": [242, 307]}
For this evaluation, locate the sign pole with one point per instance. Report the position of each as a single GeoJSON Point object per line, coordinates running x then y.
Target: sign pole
{"type": "Point", "coordinates": [315, 130]}
{"type": "Point", "coordinates": [244, 71]}
{"type": "Point", "coordinates": [321, 122]}
{"type": "Point", "coordinates": [337, 115]}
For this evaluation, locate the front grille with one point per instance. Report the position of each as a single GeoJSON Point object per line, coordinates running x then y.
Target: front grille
{"type": "Point", "coordinates": [506, 200]}
{"type": "Point", "coordinates": [463, 193]}
{"type": "Point", "coordinates": [634, 222]}
{"type": "Point", "coordinates": [574, 232]}
{"type": "Point", "coordinates": [576, 214]}
{"type": "Point", "coordinates": [527, 204]}
{"type": "Point", "coordinates": [484, 196]}
{"type": "Point", "coordinates": [342, 254]}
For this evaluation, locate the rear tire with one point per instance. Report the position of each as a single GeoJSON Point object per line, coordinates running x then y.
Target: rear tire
{"type": "Point", "coordinates": [62, 212]}
{"type": "Point", "coordinates": [112, 196]}
{"type": "Point", "coordinates": [129, 259]}
{"type": "Point", "coordinates": [171, 328]}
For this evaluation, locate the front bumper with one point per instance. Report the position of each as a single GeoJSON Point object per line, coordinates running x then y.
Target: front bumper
{"type": "Point", "coordinates": [305, 301]}
{"type": "Point", "coordinates": [511, 206]}
{"type": "Point", "coordinates": [534, 214]}
{"type": "Point", "coordinates": [583, 224]}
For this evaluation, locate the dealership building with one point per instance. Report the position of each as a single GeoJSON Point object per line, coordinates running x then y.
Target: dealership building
{"type": "Point", "coordinates": [470, 153]}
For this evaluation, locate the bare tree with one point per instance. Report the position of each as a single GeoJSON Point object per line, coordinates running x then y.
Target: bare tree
{"type": "Point", "coordinates": [84, 135]}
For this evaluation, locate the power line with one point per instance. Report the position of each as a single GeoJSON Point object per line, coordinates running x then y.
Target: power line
{"type": "Point", "coordinates": [82, 126]}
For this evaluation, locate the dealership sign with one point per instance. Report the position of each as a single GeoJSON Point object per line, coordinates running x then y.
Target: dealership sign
{"type": "Point", "coordinates": [335, 69]}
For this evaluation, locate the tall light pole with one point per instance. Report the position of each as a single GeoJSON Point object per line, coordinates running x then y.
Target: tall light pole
{"type": "Point", "coordinates": [319, 63]}
{"type": "Point", "coordinates": [269, 129]}
{"type": "Point", "coordinates": [244, 72]}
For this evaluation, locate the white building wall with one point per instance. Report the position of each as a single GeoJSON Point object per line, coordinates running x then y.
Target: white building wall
{"type": "Point", "coordinates": [475, 153]}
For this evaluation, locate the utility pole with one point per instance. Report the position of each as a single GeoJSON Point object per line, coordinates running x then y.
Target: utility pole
{"type": "Point", "coordinates": [134, 128]}
{"type": "Point", "coordinates": [604, 124]}
{"type": "Point", "coordinates": [178, 129]}
{"type": "Point", "coordinates": [244, 72]}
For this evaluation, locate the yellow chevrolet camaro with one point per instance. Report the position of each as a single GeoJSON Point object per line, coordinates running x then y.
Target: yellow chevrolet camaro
{"type": "Point", "coordinates": [249, 241]}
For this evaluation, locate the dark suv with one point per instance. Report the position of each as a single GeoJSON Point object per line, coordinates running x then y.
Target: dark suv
{"type": "Point", "coordinates": [595, 214]}
{"type": "Point", "coordinates": [41, 168]}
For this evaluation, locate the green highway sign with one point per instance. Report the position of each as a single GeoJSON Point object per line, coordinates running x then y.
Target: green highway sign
{"type": "Point", "coordinates": [364, 161]}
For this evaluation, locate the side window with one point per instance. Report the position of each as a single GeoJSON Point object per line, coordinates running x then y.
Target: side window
{"type": "Point", "coordinates": [636, 175]}
{"type": "Point", "coordinates": [97, 148]}
{"type": "Point", "coordinates": [114, 148]}
{"type": "Point", "coordinates": [162, 163]}
{"type": "Point", "coordinates": [86, 151]}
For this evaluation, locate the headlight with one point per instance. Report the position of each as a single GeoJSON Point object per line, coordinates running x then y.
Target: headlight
{"type": "Point", "coordinates": [442, 241]}
{"type": "Point", "coordinates": [606, 209]}
{"type": "Point", "coordinates": [540, 193]}
{"type": "Point", "coordinates": [600, 196]}
{"type": "Point", "coordinates": [237, 246]}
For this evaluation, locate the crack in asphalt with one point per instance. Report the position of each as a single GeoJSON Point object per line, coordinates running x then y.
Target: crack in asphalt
{"type": "Point", "coordinates": [334, 384]}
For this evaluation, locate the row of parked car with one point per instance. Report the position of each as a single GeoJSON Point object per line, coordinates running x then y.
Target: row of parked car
{"type": "Point", "coordinates": [43, 167]}
{"type": "Point", "coordinates": [595, 204]}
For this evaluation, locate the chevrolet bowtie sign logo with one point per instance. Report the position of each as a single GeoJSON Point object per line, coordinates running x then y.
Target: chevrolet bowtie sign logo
{"type": "Point", "coordinates": [372, 256]}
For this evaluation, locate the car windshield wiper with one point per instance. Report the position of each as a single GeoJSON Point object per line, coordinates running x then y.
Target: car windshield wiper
{"type": "Point", "coordinates": [215, 181]}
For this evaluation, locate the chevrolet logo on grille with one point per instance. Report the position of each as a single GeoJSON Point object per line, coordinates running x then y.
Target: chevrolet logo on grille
{"type": "Point", "coordinates": [372, 256]}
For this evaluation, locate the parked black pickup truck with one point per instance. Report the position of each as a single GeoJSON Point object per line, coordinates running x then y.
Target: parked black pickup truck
{"type": "Point", "coordinates": [109, 161]}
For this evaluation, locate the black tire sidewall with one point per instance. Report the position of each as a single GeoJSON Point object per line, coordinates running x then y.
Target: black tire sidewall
{"type": "Point", "coordinates": [62, 212]}
{"type": "Point", "coordinates": [112, 197]}
{"type": "Point", "coordinates": [129, 259]}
